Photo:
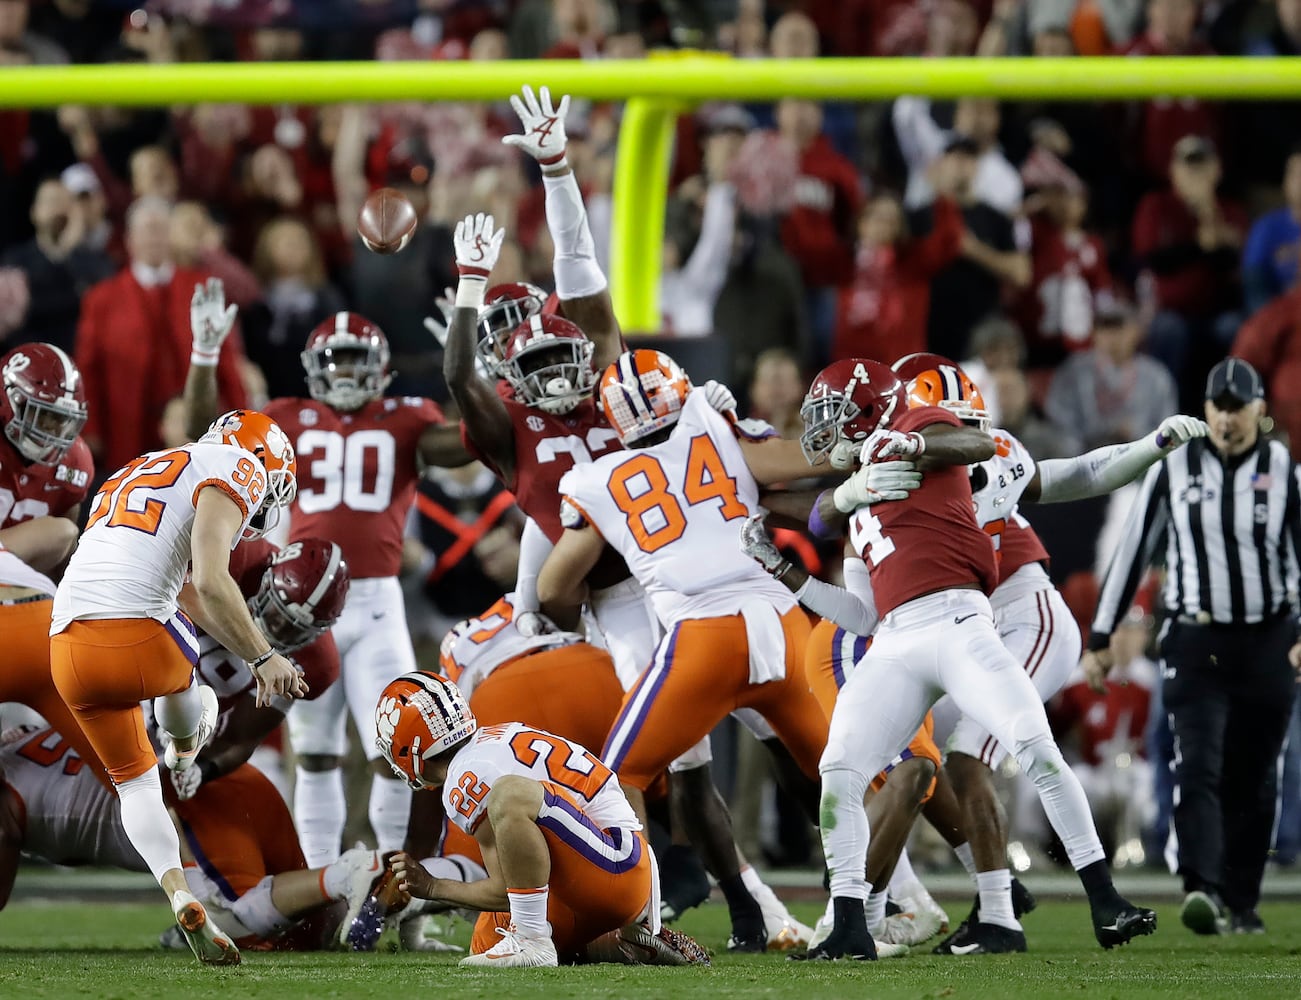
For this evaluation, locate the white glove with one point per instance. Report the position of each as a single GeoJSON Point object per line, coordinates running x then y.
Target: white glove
{"type": "Point", "coordinates": [477, 245]}
{"type": "Point", "coordinates": [1179, 430]}
{"type": "Point", "coordinates": [211, 321]}
{"type": "Point", "coordinates": [875, 484]}
{"type": "Point", "coordinates": [759, 546]}
{"type": "Point", "coordinates": [544, 127]}
{"type": "Point", "coordinates": [719, 397]}
{"type": "Point", "coordinates": [186, 782]}
{"type": "Point", "coordinates": [884, 445]}
{"type": "Point", "coordinates": [437, 324]}
{"type": "Point", "coordinates": [532, 624]}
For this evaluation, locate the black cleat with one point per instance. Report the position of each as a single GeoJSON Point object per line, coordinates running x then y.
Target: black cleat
{"type": "Point", "coordinates": [849, 937]}
{"type": "Point", "coordinates": [1247, 922]}
{"type": "Point", "coordinates": [1023, 900]}
{"type": "Point", "coordinates": [748, 943]}
{"type": "Point", "coordinates": [983, 939]}
{"type": "Point", "coordinates": [1122, 923]}
{"type": "Point", "coordinates": [683, 882]}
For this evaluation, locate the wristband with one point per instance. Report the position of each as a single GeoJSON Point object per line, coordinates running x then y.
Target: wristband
{"type": "Point", "coordinates": [780, 572]}
{"type": "Point", "coordinates": [258, 661]}
{"type": "Point", "coordinates": [558, 162]}
{"type": "Point", "coordinates": [470, 290]}
{"type": "Point", "coordinates": [202, 359]}
{"type": "Point", "coordinates": [819, 528]}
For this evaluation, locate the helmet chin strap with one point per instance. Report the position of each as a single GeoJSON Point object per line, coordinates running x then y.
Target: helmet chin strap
{"type": "Point", "coordinates": [844, 454]}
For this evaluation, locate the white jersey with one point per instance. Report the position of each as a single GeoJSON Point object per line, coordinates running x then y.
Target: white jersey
{"type": "Point", "coordinates": [16, 573]}
{"type": "Point", "coordinates": [134, 555]}
{"type": "Point", "coordinates": [1007, 475]}
{"type": "Point", "coordinates": [478, 646]}
{"type": "Point", "coordinates": [71, 818]}
{"type": "Point", "coordinates": [514, 748]}
{"type": "Point", "coordinates": [674, 512]}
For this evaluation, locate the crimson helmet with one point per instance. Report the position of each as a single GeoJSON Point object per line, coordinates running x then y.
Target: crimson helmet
{"type": "Point", "coordinates": [847, 402]}
{"type": "Point", "coordinates": [643, 392]}
{"type": "Point", "coordinates": [548, 362]}
{"type": "Point", "coordinates": [43, 406]}
{"type": "Point", "coordinates": [505, 307]}
{"type": "Point", "coordinates": [301, 594]}
{"type": "Point", "coordinates": [934, 380]}
{"type": "Point", "coordinates": [418, 717]}
{"type": "Point", "coordinates": [257, 433]}
{"type": "Point", "coordinates": [346, 359]}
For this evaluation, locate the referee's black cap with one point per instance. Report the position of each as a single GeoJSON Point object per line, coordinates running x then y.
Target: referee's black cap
{"type": "Point", "coordinates": [1234, 380]}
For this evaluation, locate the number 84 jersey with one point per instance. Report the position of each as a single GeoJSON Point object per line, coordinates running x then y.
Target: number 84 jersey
{"type": "Point", "coordinates": [357, 475]}
{"type": "Point", "coordinates": [514, 748]}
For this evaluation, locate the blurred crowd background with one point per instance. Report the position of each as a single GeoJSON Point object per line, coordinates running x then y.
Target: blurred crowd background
{"type": "Point", "coordinates": [1086, 262]}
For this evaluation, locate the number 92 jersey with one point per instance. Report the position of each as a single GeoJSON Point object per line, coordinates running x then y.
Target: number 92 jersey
{"type": "Point", "coordinates": [514, 748]}
{"type": "Point", "coordinates": [357, 475]}
{"type": "Point", "coordinates": [134, 554]}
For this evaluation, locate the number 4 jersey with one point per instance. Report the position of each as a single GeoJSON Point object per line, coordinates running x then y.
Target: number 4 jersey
{"type": "Point", "coordinates": [514, 748]}
{"type": "Point", "coordinates": [357, 475]}
{"type": "Point", "coordinates": [134, 554]}
{"type": "Point", "coordinates": [930, 541]}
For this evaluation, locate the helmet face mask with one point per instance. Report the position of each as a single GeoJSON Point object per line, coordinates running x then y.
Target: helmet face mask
{"type": "Point", "coordinates": [506, 308]}
{"type": "Point", "coordinates": [419, 718]}
{"type": "Point", "coordinates": [346, 361]}
{"type": "Point", "coordinates": [43, 405]}
{"type": "Point", "coordinates": [302, 594]}
{"type": "Point", "coordinates": [549, 365]}
{"type": "Point", "coordinates": [257, 433]}
{"type": "Point", "coordinates": [847, 402]}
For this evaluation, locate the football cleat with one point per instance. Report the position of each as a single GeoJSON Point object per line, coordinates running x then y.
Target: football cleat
{"type": "Point", "coordinates": [209, 944]}
{"type": "Point", "coordinates": [1023, 900]}
{"type": "Point", "coordinates": [181, 760]}
{"type": "Point", "coordinates": [638, 946]}
{"type": "Point", "coordinates": [1126, 921]}
{"type": "Point", "coordinates": [983, 939]}
{"type": "Point", "coordinates": [372, 896]}
{"type": "Point", "coordinates": [910, 928]}
{"type": "Point", "coordinates": [413, 934]}
{"type": "Point", "coordinates": [515, 951]}
{"type": "Point", "coordinates": [785, 933]}
{"type": "Point", "coordinates": [849, 937]}
{"type": "Point", "coordinates": [1248, 922]}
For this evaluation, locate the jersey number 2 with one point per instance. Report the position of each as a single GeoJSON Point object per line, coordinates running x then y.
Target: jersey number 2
{"type": "Point", "coordinates": [654, 515]}
{"type": "Point", "coordinates": [115, 498]}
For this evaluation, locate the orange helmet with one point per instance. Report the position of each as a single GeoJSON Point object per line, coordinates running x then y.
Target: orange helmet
{"type": "Point", "coordinates": [257, 433]}
{"type": "Point", "coordinates": [418, 717]}
{"type": "Point", "coordinates": [934, 380]}
{"type": "Point", "coordinates": [642, 393]}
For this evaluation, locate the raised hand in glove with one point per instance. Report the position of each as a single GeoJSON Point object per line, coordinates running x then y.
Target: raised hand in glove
{"type": "Point", "coordinates": [877, 483]}
{"type": "Point", "coordinates": [1179, 430]}
{"type": "Point", "coordinates": [544, 136]}
{"type": "Point", "coordinates": [211, 321]}
{"type": "Point", "coordinates": [438, 321]}
{"type": "Point", "coordinates": [477, 243]}
{"type": "Point", "coordinates": [719, 397]}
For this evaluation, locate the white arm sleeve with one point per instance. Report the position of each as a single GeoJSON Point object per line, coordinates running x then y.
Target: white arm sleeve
{"type": "Point", "coordinates": [846, 609]}
{"type": "Point", "coordinates": [534, 547]}
{"type": "Point", "coordinates": [1096, 472]}
{"type": "Point", "coordinates": [577, 273]}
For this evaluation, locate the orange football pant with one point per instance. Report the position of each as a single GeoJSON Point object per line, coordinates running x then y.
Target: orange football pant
{"type": "Point", "coordinates": [830, 656]}
{"type": "Point", "coordinates": [701, 672]}
{"type": "Point", "coordinates": [103, 670]}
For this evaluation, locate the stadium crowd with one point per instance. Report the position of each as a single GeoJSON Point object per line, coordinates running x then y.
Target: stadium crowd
{"type": "Point", "coordinates": [1087, 263]}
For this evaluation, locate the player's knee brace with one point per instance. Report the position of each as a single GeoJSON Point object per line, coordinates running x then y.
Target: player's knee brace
{"type": "Point", "coordinates": [255, 911]}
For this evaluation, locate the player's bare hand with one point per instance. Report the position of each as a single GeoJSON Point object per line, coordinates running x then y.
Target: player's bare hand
{"type": "Point", "coordinates": [277, 677]}
{"type": "Point", "coordinates": [1096, 664]}
{"type": "Point", "coordinates": [412, 876]}
{"type": "Point", "coordinates": [544, 136]}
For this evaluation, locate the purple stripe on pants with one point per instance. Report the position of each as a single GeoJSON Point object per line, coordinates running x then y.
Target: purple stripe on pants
{"type": "Point", "coordinates": [187, 647]}
{"type": "Point", "coordinates": [616, 730]}
{"type": "Point", "coordinates": [622, 848]}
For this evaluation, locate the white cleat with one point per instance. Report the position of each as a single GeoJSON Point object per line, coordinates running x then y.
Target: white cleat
{"type": "Point", "coordinates": [886, 949]}
{"type": "Point", "coordinates": [208, 942]}
{"type": "Point", "coordinates": [181, 760]}
{"type": "Point", "coordinates": [785, 933]}
{"type": "Point", "coordinates": [366, 871]}
{"type": "Point", "coordinates": [515, 951]}
{"type": "Point", "coordinates": [414, 936]}
{"type": "Point", "coordinates": [918, 901]}
{"type": "Point", "coordinates": [907, 929]}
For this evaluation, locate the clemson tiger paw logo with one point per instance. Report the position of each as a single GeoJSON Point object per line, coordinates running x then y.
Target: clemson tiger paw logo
{"type": "Point", "coordinates": [387, 715]}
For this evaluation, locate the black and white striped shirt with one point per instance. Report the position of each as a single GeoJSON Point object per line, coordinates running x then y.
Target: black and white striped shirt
{"type": "Point", "coordinates": [1232, 531]}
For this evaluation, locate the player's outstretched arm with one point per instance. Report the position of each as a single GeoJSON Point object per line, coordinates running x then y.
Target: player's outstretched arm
{"type": "Point", "coordinates": [1103, 470]}
{"type": "Point", "coordinates": [482, 411]}
{"type": "Point", "coordinates": [580, 283]}
{"type": "Point", "coordinates": [211, 321]}
{"type": "Point", "coordinates": [561, 587]}
{"type": "Point", "coordinates": [218, 604]}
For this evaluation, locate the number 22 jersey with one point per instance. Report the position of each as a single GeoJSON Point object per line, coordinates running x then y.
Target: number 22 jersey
{"type": "Point", "coordinates": [357, 475]}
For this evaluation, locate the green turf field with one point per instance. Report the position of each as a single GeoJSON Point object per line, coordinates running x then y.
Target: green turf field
{"type": "Point", "coordinates": [107, 950]}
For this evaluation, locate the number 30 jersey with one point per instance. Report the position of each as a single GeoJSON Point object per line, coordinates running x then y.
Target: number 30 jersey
{"type": "Point", "coordinates": [930, 541]}
{"type": "Point", "coordinates": [357, 475]}
{"type": "Point", "coordinates": [514, 748]}
{"type": "Point", "coordinates": [134, 554]}
{"type": "Point", "coordinates": [674, 512]}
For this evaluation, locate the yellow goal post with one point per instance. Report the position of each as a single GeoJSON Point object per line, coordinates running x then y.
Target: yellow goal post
{"type": "Point", "coordinates": [656, 91]}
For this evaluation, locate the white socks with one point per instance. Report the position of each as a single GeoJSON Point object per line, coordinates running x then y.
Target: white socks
{"type": "Point", "coordinates": [528, 911]}
{"type": "Point", "coordinates": [147, 825]}
{"type": "Point", "coordinates": [390, 809]}
{"type": "Point", "coordinates": [180, 713]}
{"type": "Point", "coordinates": [996, 898]}
{"type": "Point", "coordinates": [319, 813]}
{"type": "Point", "coordinates": [1063, 800]}
{"type": "Point", "coordinates": [845, 833]}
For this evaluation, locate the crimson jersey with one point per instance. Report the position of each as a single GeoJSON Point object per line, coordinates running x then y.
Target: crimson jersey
{"type": "Point", "coordinates": [935, 532]}
{"type": "Point", "coordinates": [547, 446]}
{"type": "Point", "coordinates": [357, 475]}
{"type": "Point", "coordinates": [29, 491]}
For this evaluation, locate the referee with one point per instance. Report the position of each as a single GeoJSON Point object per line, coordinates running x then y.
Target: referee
{"type": "Point", "coordinates": [1228, 508]}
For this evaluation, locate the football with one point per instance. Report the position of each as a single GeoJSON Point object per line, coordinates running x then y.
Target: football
{"type": "Point", "coordinates": [387, 221]}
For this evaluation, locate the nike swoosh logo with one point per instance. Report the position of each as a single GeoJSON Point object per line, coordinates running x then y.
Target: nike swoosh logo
{"type": "Point", "coordinates": [959, 621]}
{"type": "Point", "coordinates": [965, 949]}
{"type": "Point", "coordinates": [377, 617]}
